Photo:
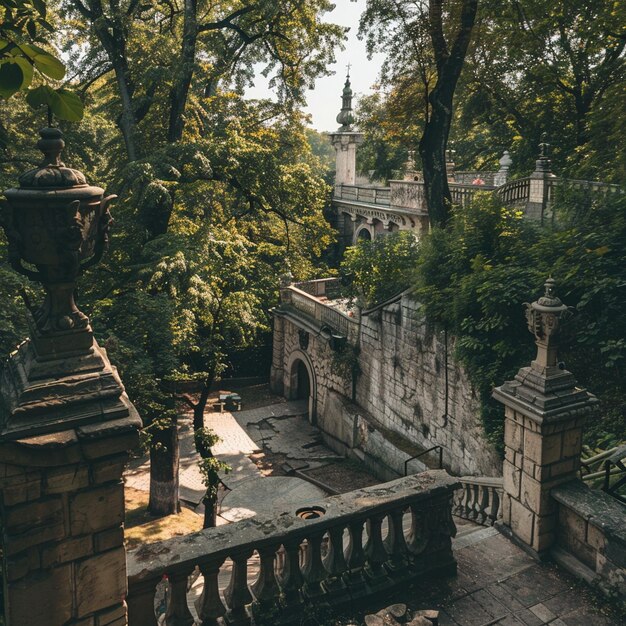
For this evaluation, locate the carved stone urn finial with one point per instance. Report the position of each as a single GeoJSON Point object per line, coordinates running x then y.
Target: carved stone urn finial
{"type": "Point", "coordinates": [543, 318]}
{"type": "Point", "coordinates": [56, 225]}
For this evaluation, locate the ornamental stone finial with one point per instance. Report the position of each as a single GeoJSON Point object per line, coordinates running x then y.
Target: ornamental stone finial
{"type": "Point", "coordinates": [543, 162]}
{"type": "Point", "coordinates": [346, 116]}
{"type": "Point", "coordinates": [543, 318]}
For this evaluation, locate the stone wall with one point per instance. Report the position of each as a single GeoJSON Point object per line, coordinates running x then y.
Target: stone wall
{"type": "Point", "coordinates": [590, 528]}
{"type": "Point", "coordinates": [398, 409]}
{"type": "Point", "coordinates": [403, 385]}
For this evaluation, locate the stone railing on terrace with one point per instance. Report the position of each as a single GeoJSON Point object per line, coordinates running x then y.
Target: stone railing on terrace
{"type": "Point", "coordinates": [408, 196]}
{"type": "Point", "coordinates": [367, 195]}
{"type": "Point", "coordinates": [344, 558]}
{"type": "Point", "coordinates": [308, 301]}
{"type": "Point", "coordinates": [479, 499]}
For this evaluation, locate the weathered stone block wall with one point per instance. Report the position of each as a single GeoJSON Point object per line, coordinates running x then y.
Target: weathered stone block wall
{"type": "Point", "coordinates": [403, 386]}
{"type": "Point", "coordinates": [62, 530]}
{"type": "Point", "coordinates": [317, 357]}
{"type": "Point", "coordinates": [590, 526]}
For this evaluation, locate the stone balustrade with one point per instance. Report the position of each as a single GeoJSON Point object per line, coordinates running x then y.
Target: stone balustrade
{"type": "Point", "coordinates": [325, 314]}
{"type": "Point", "coordinates": [479, 499]}
{"type": "Point", "coordinates": [365, 195]}
{"type": "Point", "coordinates": [344, 548]}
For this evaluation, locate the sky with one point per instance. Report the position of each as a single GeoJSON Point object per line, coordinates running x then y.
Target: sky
{"type": "Point", "coordinates": [324, 102]}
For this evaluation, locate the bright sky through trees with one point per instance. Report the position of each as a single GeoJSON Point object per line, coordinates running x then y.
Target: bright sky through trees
{"type": "Point", "coordinates": [324, 102]}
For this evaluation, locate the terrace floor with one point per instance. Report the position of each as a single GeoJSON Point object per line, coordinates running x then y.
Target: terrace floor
{"type": "Point", "coordinates": [498, 583]}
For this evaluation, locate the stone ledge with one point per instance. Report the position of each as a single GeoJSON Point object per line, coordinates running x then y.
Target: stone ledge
{"type": "Point", "coordinates": [273, 529]}
{"type": "Point", "coordinates": [598, 508]}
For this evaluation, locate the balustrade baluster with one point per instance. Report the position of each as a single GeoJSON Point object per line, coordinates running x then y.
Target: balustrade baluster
{"type": "Point", "coordinates": [375, 553]}
{"type": "Point", "coordinates": [265, 589]}
{"type": "Point", "coordinates": [395, 543]}
{"type": "Point", "coordinates": [237, 594]}
{"type": "Point", "coordinates": [473, 514]}
{"type": "Point", "coordinates": [335, 561]}
{"type": "Point", "coordinates": [141, 603]}
{"type": "Point", "coordinates": [375, 548]}
{"type": "Point", "coordinates": [482, 500]}
{"type": "Point", "coordinates": [314, 572]}
{"type": "Point", "coordinates": [291, 580]}
{"type": "Point", "coordinates": [418, 535]}
{"type": "Point", "coordinates": [177, 612]}
{"type": "Point", "coordinates": [355, 559]}
{"type": "Point", "coordinates": [209, 605]}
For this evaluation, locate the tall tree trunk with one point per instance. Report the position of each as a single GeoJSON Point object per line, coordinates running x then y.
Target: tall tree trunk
{"type": "Point", "coordinates": [164, 460]}
{"type": "Point", "coordinates": [180, 90]}
{"type": "Point", "coordinates": [210, 512]}
{"type": "Point", "coordinates": [200, 406]}
{"type": "Point", "coordinates": [432, 147]}
{"type": "Point", "coordinates": [111, 32]}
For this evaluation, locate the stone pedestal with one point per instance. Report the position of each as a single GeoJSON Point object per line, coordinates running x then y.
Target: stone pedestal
{"type": "Point", "coordinates": [545, 411]}
{"type": "Point", "coordinates": [66, 428]}
{"type": "Point", "coordinates": [66, 423]}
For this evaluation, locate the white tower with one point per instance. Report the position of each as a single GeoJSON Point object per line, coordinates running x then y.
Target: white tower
{"type": "Point", "coordinates": [346, 140]}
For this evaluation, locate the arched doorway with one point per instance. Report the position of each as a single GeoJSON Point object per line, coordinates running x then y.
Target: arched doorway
{"type": "Point", "coordinates": [301, 383]}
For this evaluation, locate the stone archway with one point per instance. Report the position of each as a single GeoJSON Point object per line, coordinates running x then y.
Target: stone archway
{"type": "Point", "coordinates": [363, 233]}
{"type": "Point", "coordinates": [301, 383]}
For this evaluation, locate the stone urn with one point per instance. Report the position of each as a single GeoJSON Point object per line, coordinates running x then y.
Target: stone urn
{"type": "Point", "coordinates": [59, 224]}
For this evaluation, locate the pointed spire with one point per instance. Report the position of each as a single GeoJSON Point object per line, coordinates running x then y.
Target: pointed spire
{"type": "Point", "coordinates": [346, 116]}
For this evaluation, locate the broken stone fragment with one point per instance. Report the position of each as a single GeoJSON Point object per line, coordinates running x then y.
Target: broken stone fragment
{"type": "Point", "coordinates": [398, 614]}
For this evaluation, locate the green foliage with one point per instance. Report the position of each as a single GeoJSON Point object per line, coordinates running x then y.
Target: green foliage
{"type": "Point", "coordinates": [473, 277]}
{"type": "Point", "coordinates": [210, 467]}
{"type": "Point", "coordinates": [22, 23]}
{"type": "Point", "coordinates": [381, 268]}
{"type": "Point", "coordinates": [345, 362]}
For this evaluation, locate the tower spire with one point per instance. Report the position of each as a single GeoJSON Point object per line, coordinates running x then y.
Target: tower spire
{"type": "Point", "coordinates": [346, 115]}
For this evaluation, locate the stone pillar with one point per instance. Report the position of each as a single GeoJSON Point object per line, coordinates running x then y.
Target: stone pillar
{"type": "Point", "coordinates": [62, 508]}
{"type": "Point", "coordinates": [502, 175]}
{"type": "Point", "coordinates": [65, 420]}
{"type": "Point", "coordinates": [544, 415]}
{"type": "Point", "coordinates": [540, 185]}
{"type": "Point", "coordinates": [345, 144]}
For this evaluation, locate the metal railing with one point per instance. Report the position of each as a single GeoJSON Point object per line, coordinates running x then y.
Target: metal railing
{"type": "Point", "coordinates": [607, 470]}
{"type": "Point", "coordinates": [420, 454]}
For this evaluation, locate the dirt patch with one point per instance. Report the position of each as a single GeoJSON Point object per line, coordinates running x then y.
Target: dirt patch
{"type": "Point", "coordinates": [141, 527]}
{"type": "Point", "coordinates": [343, 476]}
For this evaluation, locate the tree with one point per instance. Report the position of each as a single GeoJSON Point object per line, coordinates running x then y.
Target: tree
{"type": "Point", "coordinates": [198, 45]}
{"type": "Point", "coordinates": [381, 268]}
{"type": "Point", "coordinates": [535, 67]}
{"type": "Point", "coordinates": [211, 468]}
{"type": "Point", "coordinates": [447, 27]}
